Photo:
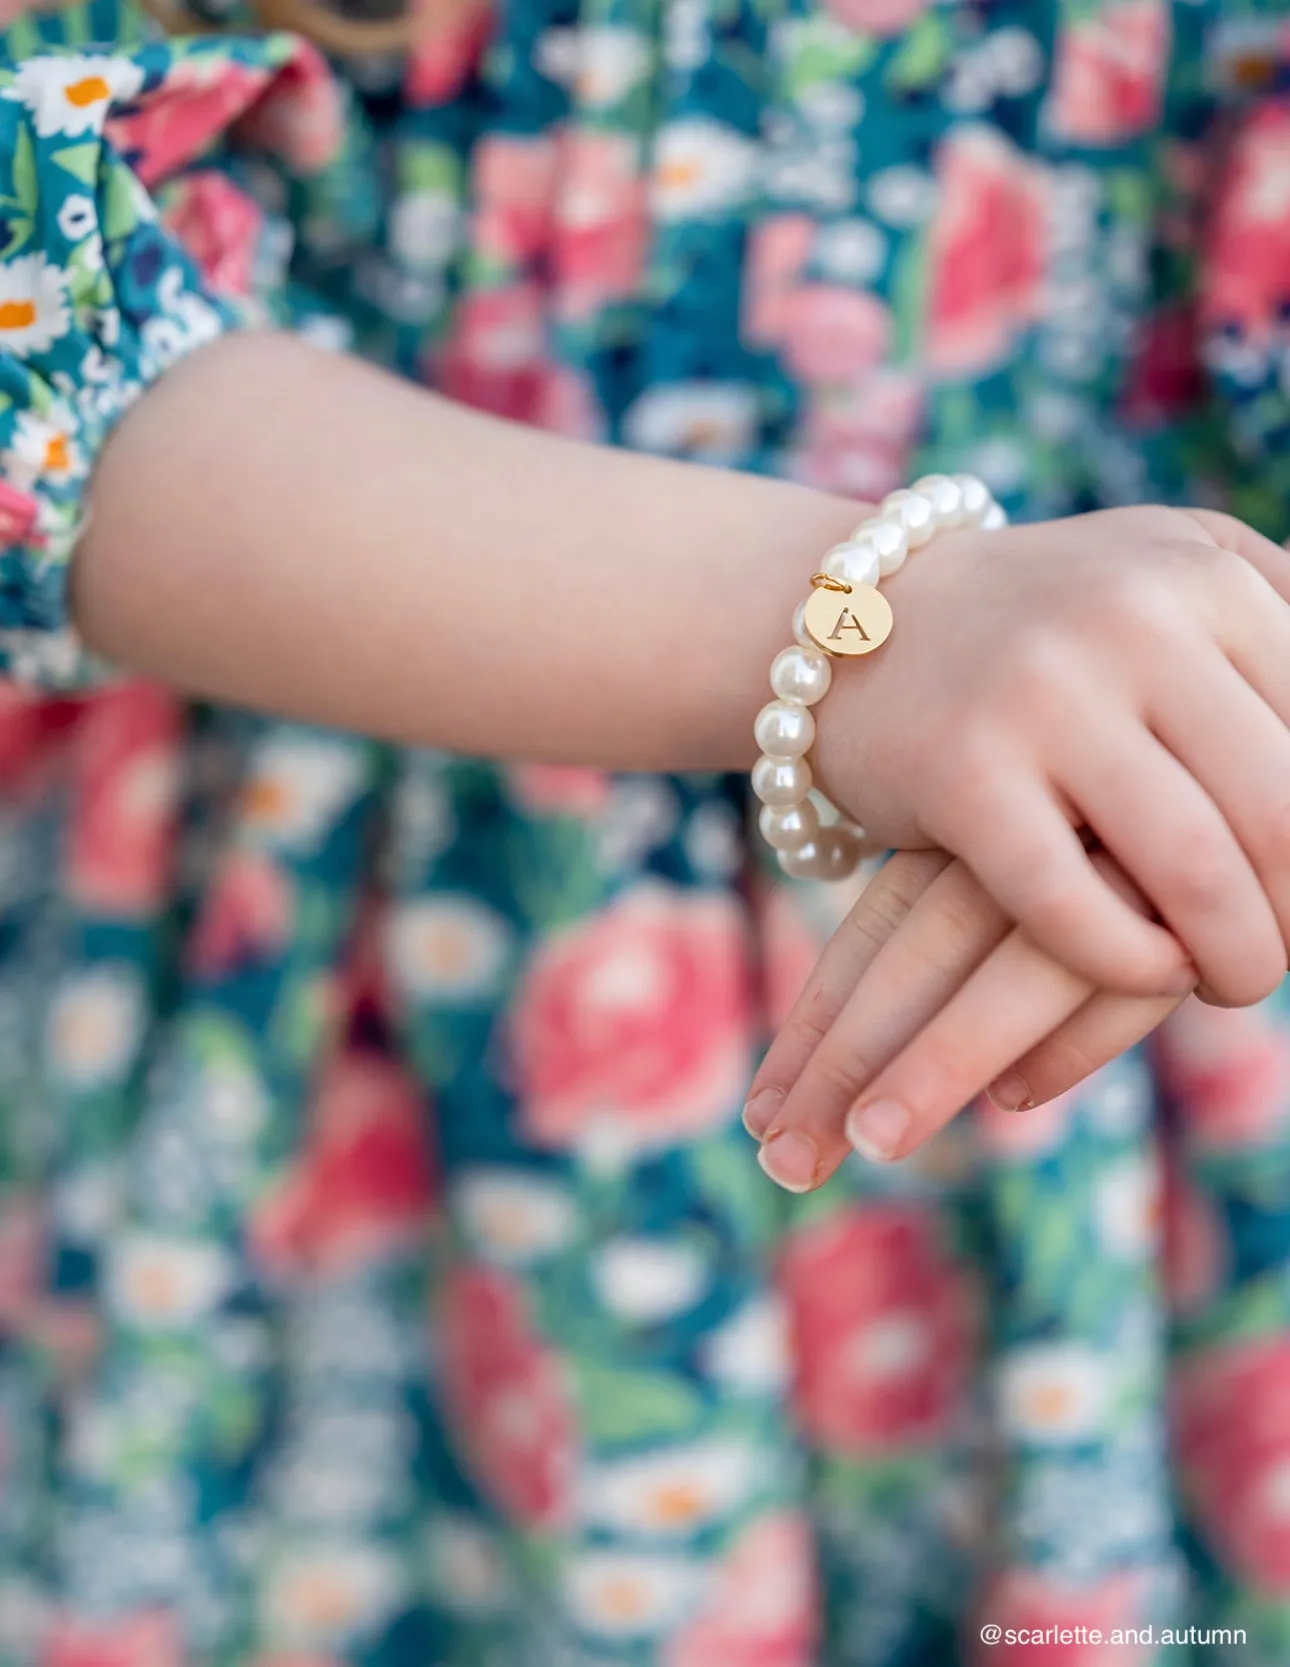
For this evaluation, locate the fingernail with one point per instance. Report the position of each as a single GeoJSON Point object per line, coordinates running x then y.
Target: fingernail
{"type": "Point", "coordinates": [760, 1111]}
{"type": "Point", "coordinates": [1011, 1092]}
{"type": "Point", "coordinates": [790, 1159]}
{"type": "Point", "coordinates": [877, 1129]}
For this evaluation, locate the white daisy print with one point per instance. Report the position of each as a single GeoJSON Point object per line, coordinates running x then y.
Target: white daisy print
{"type": "Point", "coordinates": [644, 1280]}
{"type": "Point", "coordinates": [752, 1353]}
{"type": "Point", "coordinates": [95, 1022]}
{"type": "Point", "coordinates": [621, 1594]}
{"type": "Point", "coordinates": [72, 95]}
{"type": "Point", "coordinates": [33, 305]}
{"type": "Point", "coordinates": [611, 61]}
{"type": "Point", "coordinates": [42, 449]}
{"type": "Point", "coordinates": [708, 422]}
{"type": "Point", "coordinates": [156, 1282]}
{"type": "Point", "coordinates": [318, 1595]}
{"type": "Point", "coordinates": [297, 788]}
{"type": "Point", "coordinates": [701, 167]}
{"type": "Point", "coordinates": [424, 227]}
{"type": "Point", "coordinates": [1054, 1392]}
{"type": "Point", "coordinates": [451, 948]}
{"type": "Point", "coordinates": [674, 1492]}
{"type": "Point", "coordinates": [512, 1216]}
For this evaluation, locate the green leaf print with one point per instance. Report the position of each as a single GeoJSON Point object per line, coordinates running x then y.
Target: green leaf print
{"type": "Point", "coordinates": [430, 168]}
{"type": "Point", "coordinates": [556, 879]}
{"type": "Point", "coordinates": [908, 297]}
{"type": "Point", "coordinates": [120, 203]}
{"type": "Point", "coordinates": [25, 186]}
{"type": "Point", "coordinates": [820, 51]}
{"type": "Point", "coordinates": [81, 161]}
{"type": "Point", "coordinates": [625, 1406]}
{"type": "Point", "coordinates": [922, 58]}
{"type": "Point", "coordinates": [299, 1020]}
{"type": "Point", "coordinates": [727, 1175]}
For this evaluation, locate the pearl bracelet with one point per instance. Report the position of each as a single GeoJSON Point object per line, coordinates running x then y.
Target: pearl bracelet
{"type": "Point", "coordinates": [845, 614]}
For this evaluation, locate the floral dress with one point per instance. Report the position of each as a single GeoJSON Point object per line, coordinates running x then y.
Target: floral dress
{"type": "Point", "coordinates": [385, 1278]}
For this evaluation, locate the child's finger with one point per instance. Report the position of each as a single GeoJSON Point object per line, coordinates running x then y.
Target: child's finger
{"type": "Point", "coordinates": [878, 912]}
{"type": "Point", "coordinates": [1019, 1003]}
{"type": "Point", "coordinates": [846, 1032]}
{"type": "Point", "coordinates": [1164, 829]}
{"type": "Point", "coordinates": [1105, 1027]}
{"type": "Point", "coordinates": [1019, 995]}
{"type": "Point", "coordinates": [1232, 740]}
{"type": "Point", "coordinates": [1030, 859]}
{"type": "Point", "coordinates": [1229, 533]}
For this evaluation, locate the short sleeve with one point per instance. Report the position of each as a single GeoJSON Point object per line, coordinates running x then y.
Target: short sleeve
{"type": "Point", "coordinates": [99, 294]}
{"type": "Point", "coordinates": [97, 300]}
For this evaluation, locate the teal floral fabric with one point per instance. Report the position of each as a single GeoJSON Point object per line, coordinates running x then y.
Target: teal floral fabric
{"type": "Point", "coordinates": [385, 1278]}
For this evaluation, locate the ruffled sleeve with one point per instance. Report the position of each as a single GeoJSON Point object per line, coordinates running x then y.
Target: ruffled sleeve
{"type": "Point", "coordinates": [98, 294]}
{"type": "Point", "coordinates": [96, 301]}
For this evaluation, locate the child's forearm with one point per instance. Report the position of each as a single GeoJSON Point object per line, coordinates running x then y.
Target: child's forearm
{"type": "Point", "coordinates": [281, 528]}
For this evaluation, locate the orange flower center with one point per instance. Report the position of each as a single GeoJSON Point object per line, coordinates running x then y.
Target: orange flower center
{"type": "Point", "coordinates": [446, 952]}
{"type": "Point", "coordinates": [264, 800]}
{"type": "Point", "coordinates": [154, 1288]}
{"type": "Point", "coordinates": [623, 1599]}
{"type": "Point", "coordinates": [56, 452]}
{"type": "Point", "coordinates": [677, 1504]}
{"type": "Point", "coordinates": [17, 315]}
{"type": "Point", "coordinates": [92, 90]}
{"type": "Point", "coordinates": [682, 172]}
{"type": "Point", "coordinates": [319, 1603]}
{"type": "Point", "coordinates": [1050, 1403]}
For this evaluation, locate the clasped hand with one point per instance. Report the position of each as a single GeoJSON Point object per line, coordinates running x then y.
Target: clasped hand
{"type": "Point", "coordinates": [1078, 735]}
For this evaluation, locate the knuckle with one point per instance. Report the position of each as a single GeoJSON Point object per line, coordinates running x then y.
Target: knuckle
{"type": "Point", "coordinates": [1137, 600]}
{"type": "Point", "coordinates": [1062, 1062]}
{"type": "Point", "coordinates": [966, 920]}
{"type": "Point", "coordinates": [1039, 656]}
{"type": "Point", "coordinates": [963, 779]}
{"type": "Point", "coordinates": [837, 1078]}
{"type": "Point", "coordinates": [890, 895]}
{"type": "Point", "coordinates": [1040, 673]}
{"type": "Point", "coordinates": [1197, 877]}
{"type": "Point", "coordinates": [810, 1020]}
{"type": "Point", "coordinates": [1051, 902]}
{"type": "Point", "coordinates": [933, 1076]}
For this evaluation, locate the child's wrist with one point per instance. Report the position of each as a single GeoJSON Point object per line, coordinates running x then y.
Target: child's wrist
{"type": "Point", "coordinates": [844, 617]}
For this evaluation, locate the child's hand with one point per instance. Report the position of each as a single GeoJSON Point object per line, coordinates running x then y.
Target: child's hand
{"type": "Point", "coordinates": [1126, 672]}
{"type": "Point", "coordinates": [924, 998]}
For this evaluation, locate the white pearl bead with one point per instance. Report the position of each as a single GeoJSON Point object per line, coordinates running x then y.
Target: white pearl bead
{"type": "Point", "coordinates": [976, 498]}
{"type": "Point", "coordinates": [831, 855]}
{"type": "Point", "coordinates": [946, 498]}
{"type": "Point", "coordinates": [789, 827]}
{"type": "Point", "coordinates": [993, 519]}
{"type": "Point", "coordinates": [857, 564]}
{"type": "Point", "coordinates": [783, 730]}
{"type": "Point", "coordinates": [885, 535]}
{"type": "Point", "coordinates": [914, 514]}
{"type": "Point", "coordinates": [781, 781]}
{"type": "Point", "coordinates": [801, 674]}
{"type": "Point", "coordinates": [800, 633]}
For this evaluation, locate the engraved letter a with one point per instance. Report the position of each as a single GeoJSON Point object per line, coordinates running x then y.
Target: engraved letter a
{"type": "Point", "coordinates": [847, 621]}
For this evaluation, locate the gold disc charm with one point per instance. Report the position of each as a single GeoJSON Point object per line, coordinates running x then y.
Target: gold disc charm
{"type": "Point", "coordinates": [854, 620]}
